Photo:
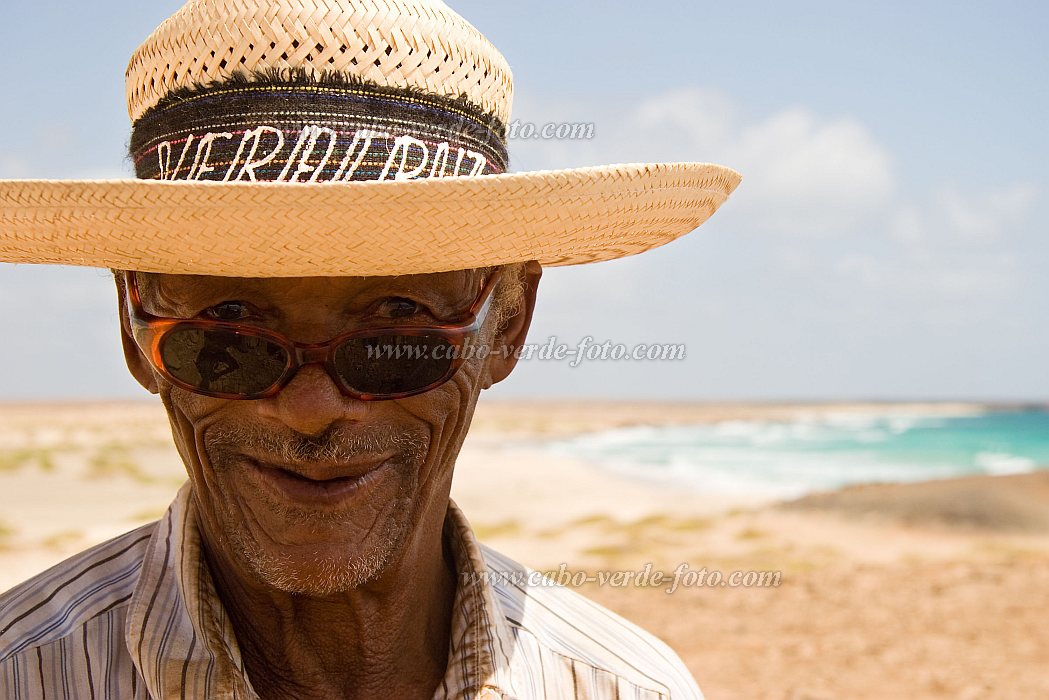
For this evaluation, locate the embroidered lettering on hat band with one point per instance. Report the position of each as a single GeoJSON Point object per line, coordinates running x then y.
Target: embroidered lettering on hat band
{"type": "Point", "coordinates": [266, 132]}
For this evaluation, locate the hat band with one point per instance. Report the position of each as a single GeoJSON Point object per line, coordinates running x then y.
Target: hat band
{"type": "Point", "coordinates": [313, 133]}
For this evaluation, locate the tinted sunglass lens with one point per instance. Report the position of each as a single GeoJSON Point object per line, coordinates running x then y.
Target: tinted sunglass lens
{"type": "Point", "coordinates": [394, 364]}
{"type": "Point", "coordinates": [222, 361]}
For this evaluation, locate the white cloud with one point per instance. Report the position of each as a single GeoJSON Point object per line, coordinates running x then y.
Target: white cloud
{"type": "Point", "coordinates": [969, 220]}
{"type": "Point", "coordinates": [702, 121]}
{"type": "Point", "coordinates": [803, 174]}
{"type": "Point", "coordinates": [960, 247]}
{"type": "Point", "coordinates": [820, 192]}
{"type": "Point", "coordinates": [813, 176]}
{"type": "Point", "coordinates": [985, 217]}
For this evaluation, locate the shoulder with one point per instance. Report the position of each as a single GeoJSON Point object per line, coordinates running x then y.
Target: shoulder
{"type": "Point", "coordinates": [60, 601]}
{"type": "Point", "coordinates": [569, 625]}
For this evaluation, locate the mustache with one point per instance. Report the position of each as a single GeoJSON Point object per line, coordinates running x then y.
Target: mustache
{"type": "Point", "coordinates": [337, 443]}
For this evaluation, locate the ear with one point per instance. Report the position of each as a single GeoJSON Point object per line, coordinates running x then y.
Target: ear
{"type": "Point", "coordinates": [140, 368]}
{"type": "Point", "coordinates": [515, 329]}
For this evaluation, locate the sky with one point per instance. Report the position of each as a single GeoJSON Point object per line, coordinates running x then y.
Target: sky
{"type": "Point", "coordinates": [887, 241]}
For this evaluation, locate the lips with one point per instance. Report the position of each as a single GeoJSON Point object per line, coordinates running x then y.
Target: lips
{"type": "Point", "coordinates": [320, 484]}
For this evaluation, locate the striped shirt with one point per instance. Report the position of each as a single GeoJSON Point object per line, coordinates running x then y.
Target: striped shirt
{"type": "Point", "coordinates": [139, 617]}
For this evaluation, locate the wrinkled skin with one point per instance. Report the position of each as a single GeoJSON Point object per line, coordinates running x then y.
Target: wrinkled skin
{"type": "Point", "coordinates": [347, 599]}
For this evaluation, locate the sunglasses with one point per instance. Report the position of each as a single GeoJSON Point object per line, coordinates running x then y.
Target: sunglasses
{"type": "Point", "coordinates": [229, 360]}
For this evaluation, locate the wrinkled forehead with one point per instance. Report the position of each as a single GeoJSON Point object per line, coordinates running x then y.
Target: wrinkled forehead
{"type": "Point", "coordinates": [168, 291]}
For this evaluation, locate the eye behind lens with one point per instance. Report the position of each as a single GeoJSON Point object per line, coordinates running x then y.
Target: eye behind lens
{"type": "Point", "coordinates": [222, 361]}
{"type": "Point", "coordinates": [394, 364]}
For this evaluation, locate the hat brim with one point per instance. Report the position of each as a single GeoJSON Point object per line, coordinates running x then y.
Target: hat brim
{"type": "Point", "coordinates": [558, 217]}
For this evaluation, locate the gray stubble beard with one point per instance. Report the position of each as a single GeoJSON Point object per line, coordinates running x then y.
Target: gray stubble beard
{"type": "Point", "coordinates": [330, 574]}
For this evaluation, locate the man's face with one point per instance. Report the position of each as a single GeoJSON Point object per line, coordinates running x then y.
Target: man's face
{"type": "Point", "coordinates": [312, 491]}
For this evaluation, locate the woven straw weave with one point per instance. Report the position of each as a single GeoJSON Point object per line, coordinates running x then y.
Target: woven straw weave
{"type": "Point", "coordinates": [363, 228]}
{"type": "Point", "coordinates": [396, 43]}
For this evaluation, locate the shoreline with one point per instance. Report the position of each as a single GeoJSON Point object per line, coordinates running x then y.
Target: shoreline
{"type": "Point", "coordinates": [69, 479]}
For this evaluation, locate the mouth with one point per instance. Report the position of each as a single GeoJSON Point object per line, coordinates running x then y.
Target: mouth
{"type": "Point", "coordinates": [320, 484]}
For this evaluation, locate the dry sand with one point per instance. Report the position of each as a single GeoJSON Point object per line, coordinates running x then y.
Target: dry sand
{"type": "Point", "coordinates": [934, 590]}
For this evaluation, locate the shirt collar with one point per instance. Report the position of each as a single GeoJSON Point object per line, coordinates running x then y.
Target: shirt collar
{"type": "Point", "coordinates": [181, 639]}
{"type": "Point", "coordinates": [481, 650]}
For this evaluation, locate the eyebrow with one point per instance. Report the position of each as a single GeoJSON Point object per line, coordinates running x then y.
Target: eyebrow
{"type": "Point", "coordinates": [189, 293]}
{"type": "Point", "coordinates": [195, 294]}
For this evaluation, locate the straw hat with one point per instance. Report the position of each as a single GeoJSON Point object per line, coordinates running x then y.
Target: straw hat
{"type": "Point", "coordinates": [279, 138]}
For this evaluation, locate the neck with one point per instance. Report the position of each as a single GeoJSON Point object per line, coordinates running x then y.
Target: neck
{"type": "Point", "coordinates": [388, 638]}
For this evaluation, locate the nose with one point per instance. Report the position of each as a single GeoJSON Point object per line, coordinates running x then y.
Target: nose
{"type": "Point", "coordinates": [311, 402]}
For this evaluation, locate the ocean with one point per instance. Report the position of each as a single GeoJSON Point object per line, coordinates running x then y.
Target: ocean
{"type": "Point", "coordinates": [787, 459]}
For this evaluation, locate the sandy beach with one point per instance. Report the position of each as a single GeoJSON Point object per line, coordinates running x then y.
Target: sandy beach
{"type": "Point", "coordinates": [931, 590]}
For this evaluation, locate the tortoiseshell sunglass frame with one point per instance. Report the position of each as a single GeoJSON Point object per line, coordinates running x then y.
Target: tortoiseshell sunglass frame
{"type": "Point", "coordinates": [150, 331]}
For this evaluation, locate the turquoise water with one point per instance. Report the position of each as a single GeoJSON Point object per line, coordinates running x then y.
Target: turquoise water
{"type": "Point", "coordinates": [791, 458]}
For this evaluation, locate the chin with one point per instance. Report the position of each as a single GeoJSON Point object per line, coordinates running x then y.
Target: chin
{"type": "Point", "coordinates": [320, 553]}
{"type": "Point", "coordinates": [333, 562]}
{"type": "Point", "coordinates": [319, 577]}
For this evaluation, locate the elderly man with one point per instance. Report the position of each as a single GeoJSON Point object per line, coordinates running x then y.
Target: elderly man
{"type": "Point", "coordinates": [320, 266]}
